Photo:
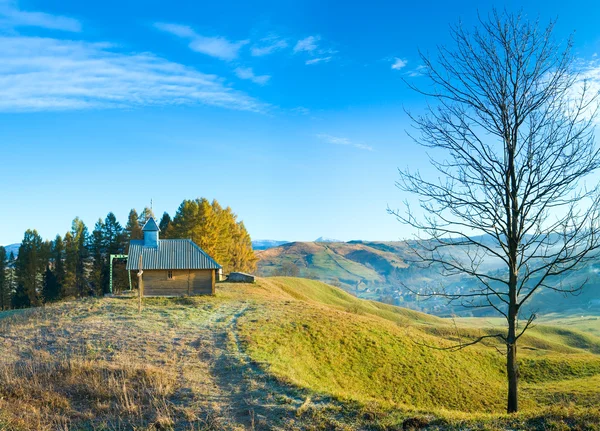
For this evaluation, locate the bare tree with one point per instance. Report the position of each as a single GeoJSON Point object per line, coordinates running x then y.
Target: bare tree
{"type": "Point", "coordinates": [512, 139]}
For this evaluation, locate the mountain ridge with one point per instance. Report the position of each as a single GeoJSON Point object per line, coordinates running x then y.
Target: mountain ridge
{"type": "Point", "coordinates": [382, 271]}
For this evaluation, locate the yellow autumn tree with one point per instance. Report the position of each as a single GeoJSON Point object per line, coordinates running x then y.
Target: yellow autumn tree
{"type": "Point", "coordinates": [216, 230]}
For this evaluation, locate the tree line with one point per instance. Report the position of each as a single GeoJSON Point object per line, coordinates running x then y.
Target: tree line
{"type": "Point", "coordinates": [77, 263]}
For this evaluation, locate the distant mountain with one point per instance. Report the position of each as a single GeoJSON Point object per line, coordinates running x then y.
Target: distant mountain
{"type": "Point", "coordinates": [264, 244]}
{"type": "Point", "coordinates": [325, 239]}
{"type": "Point", "coordinates": [354, 265]}
{"type": "Point", "coordinates": [382, 271]}
{"type": "Point", "coordinates": [12, 247]}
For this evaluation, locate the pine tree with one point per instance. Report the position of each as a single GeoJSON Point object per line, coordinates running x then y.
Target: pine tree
{"type": "Point", "coordinates": [29, 269]}
{"type": "Point", "coordinates": [11, 278]}
{"type": "Point", "coordinates": [97, 251]}
{"type": "Point", "coordinates": [113, 235]}
{"type": "Point", "coordinates": [76, 256]}
{"type": "Point", "coordinates": [50, 287]}
{"type": "Point", "coordinates": [58, 255]}
{"type": "Point", "coordinates": [115, 242]}
{"type": "Point", "coordinates": [185, 220]}
{"type": "Point", "coordinates": [20, 299]}
{"type": "Point", "coordinates": [165, 221]}
{"type": "Point", "coordinates": [132, 229]}
{"type": "Point", "coordinates": [70, 264]}
{"type": "Point", "coordinates": [4, 289]}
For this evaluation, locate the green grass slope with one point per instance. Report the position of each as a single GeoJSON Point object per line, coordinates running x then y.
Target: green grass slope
{"type": "Point", "coordinates": [319, 337]}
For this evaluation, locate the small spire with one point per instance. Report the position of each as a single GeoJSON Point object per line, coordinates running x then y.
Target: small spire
{"type": "Point", "coordinates": [151, 226]}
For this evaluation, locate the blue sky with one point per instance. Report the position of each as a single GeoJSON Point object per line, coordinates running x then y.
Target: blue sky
{"type": "Point", "coordinates": [292, 113]}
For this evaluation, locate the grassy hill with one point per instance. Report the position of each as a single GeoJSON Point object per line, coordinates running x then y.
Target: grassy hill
{"type": "Point", "coordinates": [378, 271]}
{"type": "Point", "coordinates": [283, 353]}
{"type": "Point", "coordinates": [353, 264]}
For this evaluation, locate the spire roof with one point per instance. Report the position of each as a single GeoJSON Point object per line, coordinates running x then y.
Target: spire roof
{"type": "Point", "coordinates": [151, 226]}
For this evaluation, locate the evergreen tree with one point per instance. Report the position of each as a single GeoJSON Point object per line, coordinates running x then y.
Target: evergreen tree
{"type": "Point", "coordinates": [115, 242]}
{"type": "Point", "coordinates": [4, 289]}
{"type": "Point", "coordinates": [50, 287]}
{"type": "Point", "coordinates": [10, 278]}
{"type": "Point", "coordinates": [165, 221]}
{"type": "Point", "coordinates": [29, 269]}
{"type": "Point", "coordinates": [97, 250]}
{"type": "Point", "coordinates": [132, 229]}
{"type": "Point", "coordinates": [20, 299]}
{"type": "Point", "coordinates": [70, 265]}
{"type": "Point", "coordinates": [113, 235]}
{"type": "Point", "coordinates": [58, 255]}
{"type": "Point", "coordinates": [76, 256]}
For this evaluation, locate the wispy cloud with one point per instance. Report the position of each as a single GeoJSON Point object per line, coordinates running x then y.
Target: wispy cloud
{"type": "Point", "coordinates": [39, 74]}
{"type": "Point", "coordinates": [319, 60]}
{"type": "Point", "coordinates": [343, 141]}
{"type": "Point", "coordinates": [217, 46]}
{"type": "Point", "coordinates": [311, 46]}
{"type": "Point", "coordinates": [399, 63]}
{"type": "Point", "coordinates": [248, 73]}
{"type": "Point", "coordinates": [308, 44]}
{"type": "Point", "coordinates": [417, 71]}
{"type": "Point", "coordinates": [268, 45]}
{"type": "Point", "coordinates": [12, 16]}
{"type": "Point", "coordinates": [588, 79]}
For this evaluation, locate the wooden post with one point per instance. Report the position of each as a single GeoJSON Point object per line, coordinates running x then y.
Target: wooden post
{"type": "Point", "coordinates": [189, 287]}
{"type": "Point", "coordinates": [213, 281]}
{"type": "Point", "coordinates": [140, 285]}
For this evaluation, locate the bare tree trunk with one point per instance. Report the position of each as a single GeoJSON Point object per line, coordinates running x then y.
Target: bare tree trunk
{"type": "Point", "coordinates": [512, 368]}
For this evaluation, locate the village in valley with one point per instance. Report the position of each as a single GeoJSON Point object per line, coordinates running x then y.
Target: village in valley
{"type": "Point", "coordinates": [452, 149]}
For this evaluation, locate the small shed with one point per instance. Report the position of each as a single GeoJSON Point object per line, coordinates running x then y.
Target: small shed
{"type": "Point", "coordinates": [172, 267]}
{"type": "Point", "coordinates": [240, 277]}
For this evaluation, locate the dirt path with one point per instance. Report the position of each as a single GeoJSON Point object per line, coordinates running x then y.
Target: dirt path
{"type": "Point", "coordinates": [232, 391]}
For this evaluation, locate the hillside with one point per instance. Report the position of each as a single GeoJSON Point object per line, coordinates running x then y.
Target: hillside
{"type": "Point", "coordinates": [264, 244]}
{"type": "Point", "coordinates": [12, 248]}
{"type": "Point", "coordinates": [283, 353]}
{"type": "Point", "coordinates": [380, 270]}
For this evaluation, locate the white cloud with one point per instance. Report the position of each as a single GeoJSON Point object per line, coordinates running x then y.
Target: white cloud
{"type": "Point", "coordinates": [11, 16]}
{"type": "Point", "coordinates": [589, 78]}
{"type": "Point", "coordinates": [268, 45]}
{"type": "Point", "coordinates": [176, 29]}
{"type": "Point", "coordinates": [417, 71]}
{"type": "Point", "coordinates": [218, 46]}
{"type": "Point", "coordinates": [308, 44]}
{"type": "Point", "coordinates": [38, 74]}
{"type": "Point", "coordinates": [399, 63]}
{"type": "Point", "coordinates": [343, 141]}
{"type": "Point", "coordinates": [318, 60]}
{"type": "Point", "coordinates": [248, 73]}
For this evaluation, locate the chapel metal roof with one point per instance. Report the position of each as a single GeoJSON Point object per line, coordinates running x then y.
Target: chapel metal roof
{"type": "Point", "coordinates": [169, 254]}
